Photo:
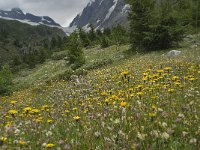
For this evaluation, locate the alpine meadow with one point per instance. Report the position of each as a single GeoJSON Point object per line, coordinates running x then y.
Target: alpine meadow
{"type": "Point", "coordinates": [124, 75]}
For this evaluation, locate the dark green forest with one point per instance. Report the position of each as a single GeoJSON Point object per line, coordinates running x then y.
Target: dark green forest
{"type": "Point", "coordinates": [23, 44]}
{"type": "Point", "coordinates": [161, 24]}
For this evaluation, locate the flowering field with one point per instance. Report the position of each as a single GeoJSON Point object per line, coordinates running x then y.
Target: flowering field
{"type": "Point", "coordinates": [144, 102]}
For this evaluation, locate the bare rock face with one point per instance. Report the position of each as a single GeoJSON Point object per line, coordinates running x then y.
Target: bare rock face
{"type": "Point", "coordinates": [102, 14]}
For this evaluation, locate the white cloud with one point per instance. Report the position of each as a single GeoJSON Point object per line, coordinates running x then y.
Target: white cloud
{"type": "Point", "coordinates": [62, 11]}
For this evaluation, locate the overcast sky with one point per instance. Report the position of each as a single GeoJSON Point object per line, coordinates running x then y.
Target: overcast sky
{"type": "Point", "coordinates": [62, 11]}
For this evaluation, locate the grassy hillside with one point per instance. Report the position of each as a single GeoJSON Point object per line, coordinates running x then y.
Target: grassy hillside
{"type": "Point", "coordinates": [146, 101]}
{"type": "Point", "coordinates": [52, 69]}
{"type": "Point", "coordinates": [17, 38]}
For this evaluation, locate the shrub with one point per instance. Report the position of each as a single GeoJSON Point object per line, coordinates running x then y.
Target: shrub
{"type": "Point", "coordinates": [104, 43]}
{"type": "Point", "coordinates": [6, 81]}
{"type": "Point", "coordinates": [58, 56]}
{"type": "Point", "coordinates": [66, 75]}
{"type": "Point", "coordinates": [99, 64]}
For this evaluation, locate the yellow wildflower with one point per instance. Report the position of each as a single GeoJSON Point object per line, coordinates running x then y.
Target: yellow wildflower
{"type": "Point", "coordinates": [139, 93]}
{"type": "Point", "coordinates": [27, 109]}
{"type": "Point", "coordinates": [12, 112]}
{"type": "Point", "coordinates": [13, 102]}
{"type": "Point", "coordinates": [49, 120]}
{"type": "Point", "coordinates": [45, 107]}
{"type": "Point", "coordinates": [168, 68]}
{"type": "Point", "coordinates": [22, 142]}
{"type": "Point", "coordinates": [3, 139]}
{"type": "Point", "coordinates": [67, 111]}
{"type": "Point", "coordinates": [50, 145]}
{"type": "Point", "coordinates": [124, 73]}
{"type": "Point", "coordinates": [35, 111]}
{"type": "Point", "coordinates": [77, 118]}
{"type": "Point", "coordinates": [170, 90]}
{"type": "Point", "coordinates": [192, 79]}
{"type": "Point", "coordinates": [74, 109]}
{"type": "Point", "coordinates": [106, 100]}
{"type": "Point", "coordinates": [160, 71]}
{"type": "Point", "coordinates": [104, 94]}
{"type": "Point", "coordinates": [152, 115]}
{"type": "Point", "coordinates": [123, 104]}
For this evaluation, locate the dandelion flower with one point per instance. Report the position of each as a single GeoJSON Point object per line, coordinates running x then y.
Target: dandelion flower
{"type": "Point", "coordinates": [13, 102]}
{"type": "Point", "coordinates": [123, 104]}
{"type": "Point", "coordinates": [3, 139]}
{"type": "Point", "coordinates": [77, 118]}
{"type": "Point", "coordinates": [50, 145]}
{"type": "Point", "coordinates": [22, 142]}
{"type": "Point", "coordinates": [12, 112]}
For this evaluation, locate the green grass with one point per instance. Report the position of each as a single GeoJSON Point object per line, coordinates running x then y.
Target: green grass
{"type": "Point", "coordinates": [139, 102]}
{"type": "Point", "coordinates": [95, 58]}
{"type": "Point", "coordinates": [40, 74]}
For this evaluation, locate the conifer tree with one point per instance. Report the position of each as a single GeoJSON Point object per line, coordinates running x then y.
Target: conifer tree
{"type": "Point", "coordinates": [104, 42]}
{"type": "Point", "coordinates": [140, 21]}
{"type": "Point", "coordinates": [119, 36]}
{"type": "Point", "coordinates": [75, 54]}
{"type": "Point", "coordinates": [84, 37]}
{"type": "Point", "coordinates": [91, 34]}
{"type": "Point", "coordinates": [154, 25]}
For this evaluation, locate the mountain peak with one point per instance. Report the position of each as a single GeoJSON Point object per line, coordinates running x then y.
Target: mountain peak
{"type": "Point", "coordinates": [102, 14]}
{"type": "Point", "coordinates": [17, 14]}
{"type": "Point", "coordinates": [16, 9]}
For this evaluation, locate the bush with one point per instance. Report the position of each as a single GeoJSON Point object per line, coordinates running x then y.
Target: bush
{"type": "Point", "coordinates": [58, 56]}
{"type": "Point", "coordinates": [99, 64]}
{"type": "Point", "coordinates": [80, 72]}
{"type": "Point", "coordinates": [6, 81]}
{"type": "Point", "coordinates": [104, 43]}
{"type": "Point", "coordinates": [66, 75]}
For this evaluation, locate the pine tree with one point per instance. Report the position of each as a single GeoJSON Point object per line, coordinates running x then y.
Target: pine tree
{"type": "Point", "coordinates": [42, 55]}
{"type": "Point", "coordinates": [140, 21]}
{"type": "Point", "coordinates": [53, 43]}
{"type": "Point", "coordinates": [91, 34]}
{"type": "Point", "coordinates": [104, 42]}
{"type": "Point", "coordinates": [84, 37]}
{"type": "Point", "coordinates": [75, 54]}
{"type": "Point", "coordinates": [155, 25]}
{"type": "Point", "coordinates": [119, 36]}
{"type": "Point", "coordinates": [195, 7]}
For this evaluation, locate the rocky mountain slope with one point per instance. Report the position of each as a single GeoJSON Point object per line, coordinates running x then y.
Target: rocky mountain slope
{"type": "Point", "coordinates": [18, 14]}
{"type": "Point", "coordinates": [102, 14]}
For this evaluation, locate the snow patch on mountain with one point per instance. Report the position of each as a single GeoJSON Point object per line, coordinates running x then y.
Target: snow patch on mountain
{"type": "Point", "coordinates": [125, 9]}
{"type": "Point", "coordinates": [86, 28]}
{"type": "Point", "coordinates": [19, 15]}
{"type": "Point", "coordinates": [22, 21]}
{"type": "Point", "coordinates": [101, 2]}
{"type": "Point", "coordinates": [29, 22]}
{"type": "Point", "coordinates": [102, 14]}
{"type": "Point", "coordinates": [111, 10]}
